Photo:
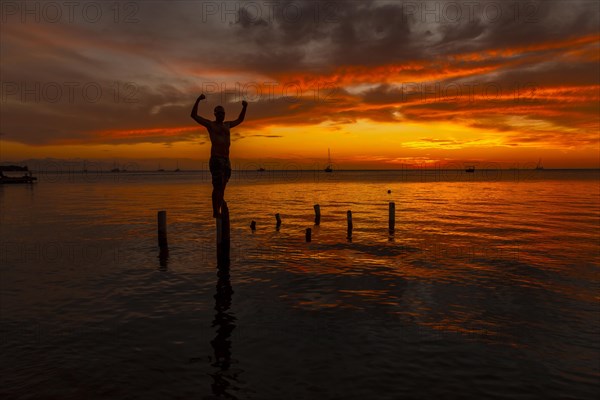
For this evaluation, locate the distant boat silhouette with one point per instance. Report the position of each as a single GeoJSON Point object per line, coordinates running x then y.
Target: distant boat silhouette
{"type": "Point", "coordinates": [328, 168]}
{"type": "Point", "coordinates": [27, 178]}
{"type": "Point", "coordinates": [177, 169]}
{"type": "Point", "coordinates": [470, 168]}
{"type": "Point", "coordinates": [160, 169]}
{"type": "Point", "coordinates": [261, 169]}
{"type": "Point", "coordinates": [21, 179]}
{"type": "Point", "coordinates": [539, 165]}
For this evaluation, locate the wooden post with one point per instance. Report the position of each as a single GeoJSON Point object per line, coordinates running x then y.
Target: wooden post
{"type": "Point", "coordinates": [226, 236]}
{"type": "Point", "coordinates": [278, 218]}
{"type": "Point", "coordinates": [253, 225]}
{"type": "Point", "coordinates": [392, 217]}
{"type": "Point", "coordinates": [317, 214]}
{"type": "Point", "coordinates": [223, 235]}
{"type": "Point", "coordinates": [308, 234]}
{"type": "Point", "coordinates": [163, 258]}
{"type": "Point", "coordinates": [349, 219]}
{"type": "Point", "coordinates": [162, 230]}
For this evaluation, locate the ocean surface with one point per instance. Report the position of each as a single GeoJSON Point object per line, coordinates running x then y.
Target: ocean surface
{"type": "Point", "coordinates": [487, 289]}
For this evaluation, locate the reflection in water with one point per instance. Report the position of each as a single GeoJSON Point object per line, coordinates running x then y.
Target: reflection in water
{"type": "Point", "coordinates": [163, 258]}
{"type": "Point", "coordinates": [224, 321]}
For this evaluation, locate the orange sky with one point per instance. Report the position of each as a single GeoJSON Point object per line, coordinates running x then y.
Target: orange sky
{"type": "Point", "coordinates": [378, 87]}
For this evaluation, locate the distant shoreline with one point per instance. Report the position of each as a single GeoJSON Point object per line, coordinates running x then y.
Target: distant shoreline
{"type": "Point", "coordinates": [308, 170]}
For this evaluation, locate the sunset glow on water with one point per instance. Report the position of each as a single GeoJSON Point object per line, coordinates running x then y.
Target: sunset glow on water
{"type": "Point", "coordinates": [488, 287]}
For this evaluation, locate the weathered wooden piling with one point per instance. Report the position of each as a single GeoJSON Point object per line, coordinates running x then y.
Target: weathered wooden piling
{"type": "Point", "coordinates": [162, 230]}
{"type": "Point", "coordinates": [317, 214]}
{"type": "Point", "coordinates": [223, 235]}
{"type": "Point", "coordinates": [278, 219]}
{"type": "Point", "coordinates": [226, 228]}
{"type": "Point", "coordinates": [308, 234]}
{"type": "Point", "coordinates": [163, 258]}
{"type": "Point", "coordinates": [253, 225]}
{"type": "Point", "coordinates": [392, 217]}
{"type": "Point", "coordinates": [350, 227]}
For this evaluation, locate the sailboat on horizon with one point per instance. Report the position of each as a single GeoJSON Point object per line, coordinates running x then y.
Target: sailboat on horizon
{"type": "Point", "coordinates": [539, 165]}
{"type": "Point", "coordinates": [328, 168]}
{"type": "Point", "coordinates": [115, 168]}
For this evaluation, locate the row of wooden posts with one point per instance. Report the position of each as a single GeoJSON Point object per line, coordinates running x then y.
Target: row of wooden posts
{"type": "Point", "coordinates": [223, 228]}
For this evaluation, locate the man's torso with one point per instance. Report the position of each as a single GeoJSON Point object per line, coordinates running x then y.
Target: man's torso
{"type": "Point", "coordinates": [220, 139]}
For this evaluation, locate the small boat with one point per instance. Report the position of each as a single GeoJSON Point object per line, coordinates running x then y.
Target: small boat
{"type": "Point", "coordinates": [539, 165]}
{"type": "Point", "coordinates": [177, 169]}
{"type": "Point", "coordinates": [470, 168]}
{"type": "Point", "coordinates": [261, 169]}
{"type": "Point", "coordinates": [20, 179]}
{"type": "Point", "coordinates": [328, 168]}
{"type": "Point", "coordinates": [27, 178]}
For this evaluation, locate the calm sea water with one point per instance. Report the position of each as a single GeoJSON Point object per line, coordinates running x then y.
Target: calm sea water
{"type": "Point", "coordinates": [488, 288]}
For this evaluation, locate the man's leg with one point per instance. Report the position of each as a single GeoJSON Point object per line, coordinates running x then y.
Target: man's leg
{"type": "Point", "coordinates": [220, 176]}
{"type": "Point", "coordinates": [226, 174]}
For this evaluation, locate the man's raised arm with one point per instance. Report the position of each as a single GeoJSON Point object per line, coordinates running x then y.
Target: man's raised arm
{"type": "Point", "coordinates": [241, 117]}
{"type": "Point", "coordinates": [195, 116]}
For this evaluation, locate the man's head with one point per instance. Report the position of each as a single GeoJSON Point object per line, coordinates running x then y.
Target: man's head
{"type": "Point", "coordinates": [220, 113]}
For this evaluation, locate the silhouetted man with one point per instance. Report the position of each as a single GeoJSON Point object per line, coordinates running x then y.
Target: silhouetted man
{"type": "Point", "coordinates": [220, 167]}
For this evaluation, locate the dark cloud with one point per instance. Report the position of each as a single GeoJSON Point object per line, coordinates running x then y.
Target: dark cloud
{"type": "Point", "coordinates": [383, 94]}
{"type": "Point", "coordinates": [372, 36]}
{"type": "Point", "coordinates": [535, 21]}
